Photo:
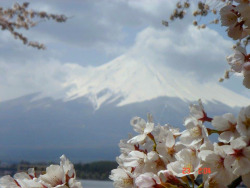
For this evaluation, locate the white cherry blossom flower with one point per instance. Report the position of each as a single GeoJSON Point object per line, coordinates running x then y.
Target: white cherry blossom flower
{"type": "Point", "coordinates": [215, 161]}
{"type": "Point", "coordinates": [135, 160]}
{"type": "Point", "coordinates": [196, 133]}
{"type": "Point", "coordinates": [198, 112]}
{"type": "Point", "coordinates": [54, 176]}
{"type": "Point", "coordinates": [21, 179]}
{"type": "Point", "coordinates": [227, 125]}
{"type": "Point", "coordinates": [167, 148]}
{"type": "Point", "coordinates": [9, 182]}
{"type": "Point", "coordinates": [154, 162]}
{"type": "Point", "coordinates": [243, 122]}
{"type": "Point", "coordinates": [237, 59]}
{"type": "Point", "coordinates": [60, 175]}
{"type": "Point", "coordinates": [142, 127]}
{"type": "Point", "coordinates": [188, 159]}
{"type": "Point", "coordinates": [122, 178]}
{"type": "Point", "coordinates": [142, 162]}
{"type": "Point", "coordinates": [238, 156]}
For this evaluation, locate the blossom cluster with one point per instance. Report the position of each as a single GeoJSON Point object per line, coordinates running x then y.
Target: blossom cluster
{"type": "Point", "coordinates": [59, 176]}
{"type": "Point", "coordinates": [237, 18]}
{"type": "Point", "coordinates": [233, 14]}
{"type": "Point", "coordinates": [159, 155]}
{"type": "Point", "coordinates": [240, 64]}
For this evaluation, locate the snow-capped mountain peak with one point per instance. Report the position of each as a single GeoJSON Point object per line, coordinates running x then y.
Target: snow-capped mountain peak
{"type": "Point", "coordinates": [140, 81]}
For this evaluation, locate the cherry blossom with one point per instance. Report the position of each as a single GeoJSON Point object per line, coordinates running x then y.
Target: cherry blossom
{"type": "Point", "coordinates": [238, 156]}
{"type": "Point", "coordinates": [228, 15]}
{"type": "Point", "coordinates": [214, 182]}
{"type": "Point", "coordinates": [147, 180]}
{"type": "Point", "coordinates": [243, 122]}
{"type": "Point", "coordinates": [215, 160]}
{"type": "Point", "coordinates": [196, 133]}
{"type": "Point", "coordinates": [168, 158]}
{"type": "Point", "coordinates": [142, 127]}
{"type": "Point", "coordinates": [186, 158]}
{"type": "Point", "coordinates": [122, 178]}
{"type": "Point", "coordinates": [227, 125]}
{"type": "Point", "coordinates": [62, 176]}
{"type": "Point", "coordinates": [237, 60]}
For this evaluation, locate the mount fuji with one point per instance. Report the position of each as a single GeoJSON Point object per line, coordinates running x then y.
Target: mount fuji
{"type": "Point", "coordinates": [93, 115]}
{"type": "Point", "coordinates": [136, 81]}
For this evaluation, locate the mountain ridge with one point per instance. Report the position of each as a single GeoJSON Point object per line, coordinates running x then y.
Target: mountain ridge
{"type": "Point", "coordinates": [136, 82]}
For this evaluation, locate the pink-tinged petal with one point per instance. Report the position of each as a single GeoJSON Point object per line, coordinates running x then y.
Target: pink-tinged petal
{"type": "Point", "coordinates": [197, 111]}
{"type": "Point", "coordinates": [212, 158]}
{"type": "Point", "coordinates": [68, 167]}
{"type": "Point", "coordinates": [212, 181]}
{"type": "Point", "coordinates": [138, 124]}
{"type": "Point", "coordinates": [188, 139]}
{"type": "Point", "coordinates": [205, 153]}
{"type": "Point", "coordinates": [133, 159]}
{"type": "Point", "coordinates": [226, 137]}
{"type": "Point", "coordinates": [74, 184]}
{"type": "Point", "coordinates": [21, 176]}
{"type": "Point", "coordinates": [152, 156]}
{"type": "Point", "coordinates": [147, 180]}
{"type": "Point", "coordinates": [227, 149]}
{"type": "Point", "coordinates": [228, 162]}
{"type": "Point", "coordinates": [220, 123]}
{"type": "Point", "coordinates": [54, 175]}
{"type": "Point", "coordinates": [238, 143]}
{"type": "Point", "coordinates": [241, 166]}
{"type": "Point", "coordinates": [137, 139]}
{"type": "Point", "coordinates": [170, 140]}
{"type": "Point", "coordinates": [28, 183]}
{"type": "Point", "coordinates": [31, 172]}
{"type": "Point", "coordinates": [190, 122]}
{"type": "Point", "coordinates": [176, 168]}
{"type": "Point", "coordinates": [8, 182]}
{"type": "Point", "coordinates": [149, 128]}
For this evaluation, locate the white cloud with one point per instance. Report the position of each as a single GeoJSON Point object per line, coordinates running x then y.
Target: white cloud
{"type": "Point", "coordinates": [200, 52]}
{"type": "Point", "coordinates": [97, 24]}
{"type": "Point", "coordinates": [22, 79]}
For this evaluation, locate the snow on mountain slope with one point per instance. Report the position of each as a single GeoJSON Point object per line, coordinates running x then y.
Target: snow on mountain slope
{"type": "Point", "coordinates": [136, 81]}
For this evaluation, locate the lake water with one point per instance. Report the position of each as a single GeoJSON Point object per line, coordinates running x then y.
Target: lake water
{"type": "Point", "coordinates": [97, 184]}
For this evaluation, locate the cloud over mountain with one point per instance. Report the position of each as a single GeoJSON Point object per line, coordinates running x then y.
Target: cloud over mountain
{"type": "Point", "coordinates": [159, 64]}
